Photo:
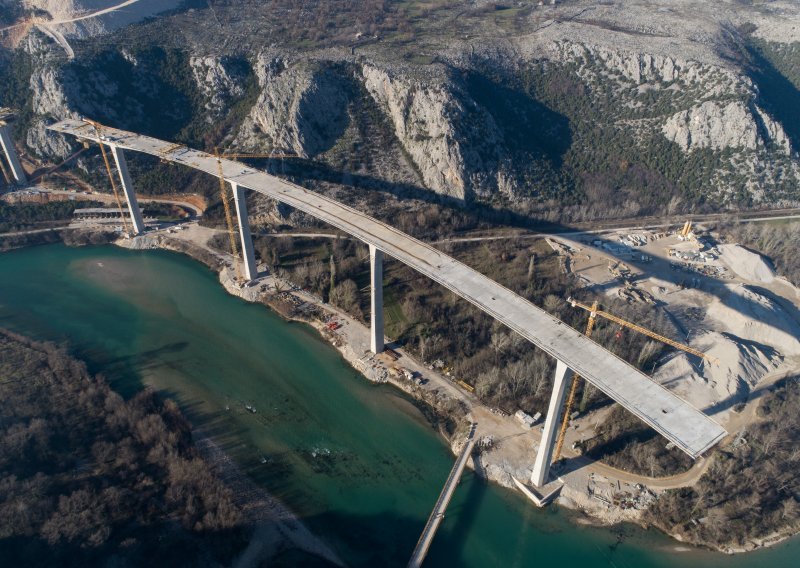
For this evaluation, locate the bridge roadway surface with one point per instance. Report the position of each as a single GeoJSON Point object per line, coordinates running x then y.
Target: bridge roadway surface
{"type": "Point", "coordinates": [437, 515]}
{"type": "Point", "coordinates": [688, 428]}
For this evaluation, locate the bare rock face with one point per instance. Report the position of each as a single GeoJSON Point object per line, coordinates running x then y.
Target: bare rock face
{"type": "Point", "coordinates": [717, 126]}
{"type": "Point", "coordinates": [218, 81]}
{"type": "Point", "coordinates": [302, 108]}
{"type": "Point", "coordinates": [641, 68]}
{"type": "Point", "coordinates": [49, 100]}
{"type": "Point", "coordinates": [696, 104]}
{"type": "Point", "coordinates": [451, 140]}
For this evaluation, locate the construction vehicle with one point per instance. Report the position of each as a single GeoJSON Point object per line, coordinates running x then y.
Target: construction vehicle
{"type": "Point", "coordinates": [594, 313]}
{"type": "Point", "coordinates": [686, 231]}
{"type": "Point", "coordinates": [223, 190]}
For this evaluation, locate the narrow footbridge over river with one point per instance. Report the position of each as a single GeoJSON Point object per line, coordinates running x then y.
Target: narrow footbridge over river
{"type": "Point", "coordinates": [682, 424]}
{"type": "Point", "coordinates": [426, 538]}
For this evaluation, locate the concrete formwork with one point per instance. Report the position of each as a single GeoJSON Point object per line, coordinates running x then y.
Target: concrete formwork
{"type": "Point", "coordinates": [11, 155]}
{"type": "Point", "coordinates": [688, 428]}
{"type": "Point", "coordinates": [127, 187]}
{"type": "Point", "coordinates": [250, 271]}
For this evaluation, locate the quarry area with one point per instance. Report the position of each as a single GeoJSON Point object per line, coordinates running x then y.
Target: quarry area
{"type": "Point", "coordinates": [722, 299]}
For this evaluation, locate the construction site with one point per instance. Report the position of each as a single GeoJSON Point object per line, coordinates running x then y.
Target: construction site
{"type": "Point", "coordinates": [735, 331]}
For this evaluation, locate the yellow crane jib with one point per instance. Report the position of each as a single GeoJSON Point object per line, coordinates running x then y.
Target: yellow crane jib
{"type": "Point", "coordinates": [644, 331]}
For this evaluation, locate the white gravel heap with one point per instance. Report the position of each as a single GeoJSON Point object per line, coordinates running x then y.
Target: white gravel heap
{"type": "Point", "coordinates": [747, 265]}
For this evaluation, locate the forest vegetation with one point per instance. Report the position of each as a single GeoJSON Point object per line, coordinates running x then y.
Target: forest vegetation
{"type": "Point", "coordinates": [752, 488]}
{"type": "Point", "coordinates": [88, 477]}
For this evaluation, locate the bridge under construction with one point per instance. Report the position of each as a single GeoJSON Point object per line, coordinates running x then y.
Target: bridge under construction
{"type": "Point", "coordinates": [683, 425]}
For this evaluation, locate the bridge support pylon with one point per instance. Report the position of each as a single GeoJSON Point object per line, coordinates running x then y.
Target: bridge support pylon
{"type": "Point", "coordinates": [11, 155]}
{"type": "Point", "coordinates": [250, 270]}
{"type": "Point", "coordinates": [376, 303]}
{"type": "Point", "coordinates": [127, 187]}
{"type": "Point", "coordinates": [541, 467]}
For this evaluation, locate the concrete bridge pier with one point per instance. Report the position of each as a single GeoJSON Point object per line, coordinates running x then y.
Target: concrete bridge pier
{"type": "Point", "coordinates": [11, 155]}
{"type": "Point", "coordinates": [127, 187]}
{"type": "Point", "coordinates": [376, 304]}
{"type": "Point", "coordinates": [250, 270]}
{"type": "Point", "coordinates": [541, 467]}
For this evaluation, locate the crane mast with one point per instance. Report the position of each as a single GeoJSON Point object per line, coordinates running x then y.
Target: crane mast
{"type": "Point", "coordinates": [98, 130]}
{"type": "Point", "coordinates": [594, 313]}
{"type": "Point", "coordinates": [223, 191]}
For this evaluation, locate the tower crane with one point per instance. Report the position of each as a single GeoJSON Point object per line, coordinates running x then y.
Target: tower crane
{"type": "Point", "coordinates": [644, 331]}
{"type": "Point", "coordinates": [594, 313]}
{"type": "Point", "coordinates": [223, 190]}
{"type": "Point", "coordinates": [573, 388]}
{"type": "Point", "coordinates": [98, 130]}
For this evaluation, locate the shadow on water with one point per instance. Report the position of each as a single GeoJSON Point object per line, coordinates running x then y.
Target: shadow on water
{"type": "Point", "coordinates": [478, 524]}
{"type": "Point", "coordinates": [452, 542]}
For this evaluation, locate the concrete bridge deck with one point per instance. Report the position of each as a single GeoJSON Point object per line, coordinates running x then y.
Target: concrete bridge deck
{"type": "Point", "coordinates": [685, 426]}
{"type": "Point", "coordinates": [437, 515]}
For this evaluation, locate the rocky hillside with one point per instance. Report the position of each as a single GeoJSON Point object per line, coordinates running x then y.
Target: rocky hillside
{"type": "Point", "coordinates": [574, 111]}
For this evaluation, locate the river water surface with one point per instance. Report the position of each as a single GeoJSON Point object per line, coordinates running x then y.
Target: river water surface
{"type": "Point", "coordinates": [356, 461]}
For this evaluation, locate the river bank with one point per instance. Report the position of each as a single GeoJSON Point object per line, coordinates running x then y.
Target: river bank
{"type": "Point", "coordinates": [514, 447]}
{"type": "Point", "coordinates": [355, 460]}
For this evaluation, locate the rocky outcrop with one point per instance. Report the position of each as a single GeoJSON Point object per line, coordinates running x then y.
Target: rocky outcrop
{"type": "Point", "coordinates": [48, 101]}
{"type": "Point", "coordinates": [641, 67]}
{"type": "Point", "coordinates": [718, 126]}
{"type": "Point", "coordinates": [302, 108]}
{"type": "Point", "coordinates": [219, 80]}
{"type": "Point", "coordinates": [453, 142]}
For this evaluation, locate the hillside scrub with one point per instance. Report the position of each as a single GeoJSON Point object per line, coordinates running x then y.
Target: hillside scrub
{"type": "Point", "coordinates": [751, 489]}
{"type": "Point", "coordinates": [21, 216]}
{"type": "Point", "coordinates": [85, 473]}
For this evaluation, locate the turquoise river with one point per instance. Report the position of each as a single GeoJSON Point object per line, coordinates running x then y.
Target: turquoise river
{"type": "Point", "coordinates": [357, 462]}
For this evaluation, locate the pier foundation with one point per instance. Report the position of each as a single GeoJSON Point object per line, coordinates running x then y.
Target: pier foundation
{"type": "Point", "coordinates": [127, 187]}
{"type": "Point", "coordinates": [376, 304]}
{"type": "Point", "coordinates": [250, 270]}
{"type": "Point", "coordinates": [541, 467]}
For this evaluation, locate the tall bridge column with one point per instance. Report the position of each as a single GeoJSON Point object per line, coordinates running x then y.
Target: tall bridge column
{"type": "Point", "coordinates": [250, 270]}
{"type": "Point", "coordinates": [376, 304]}
{"type": "Point", "coordinates": [541, 467]}
{"type": "Point", "coordinates": [11, 155]}
{"type": "Point", "coordinates": [127, 187]}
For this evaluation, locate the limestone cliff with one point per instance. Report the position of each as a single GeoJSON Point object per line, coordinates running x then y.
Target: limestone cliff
{"type": "Point", "coordinates": [453, 142]}
{"type": "Point", "coordinates": [302, 108]}
{"type": "Point", "coordinates": [735, 125]}
{"type": "Point", "coordinates": [637, 106]}
{"type": "Point", "coordinates": [219, 80]}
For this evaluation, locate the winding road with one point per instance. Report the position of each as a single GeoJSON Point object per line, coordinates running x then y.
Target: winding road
{"type": "Point", "coordinates": [42, 21]}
